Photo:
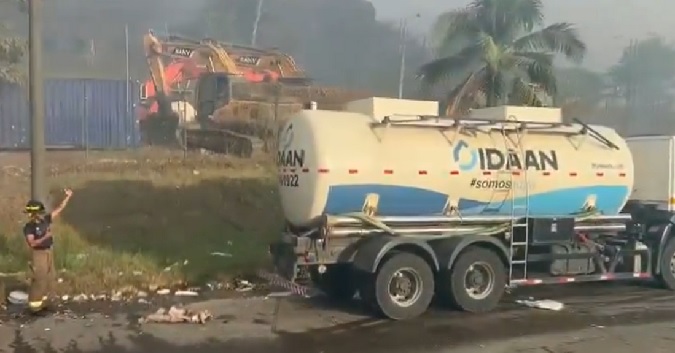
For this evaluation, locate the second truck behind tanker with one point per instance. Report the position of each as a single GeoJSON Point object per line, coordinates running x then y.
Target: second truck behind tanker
{"type": "Point", "coordinates": [390, 201]}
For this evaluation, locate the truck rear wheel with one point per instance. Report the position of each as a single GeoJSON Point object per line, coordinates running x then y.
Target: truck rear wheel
{"type": "Point", "coordinates": [476, 281]}
{"type": "Point", "coordinates": [666, 277]}
{"type": "Point", "coordinates": [404, 286]}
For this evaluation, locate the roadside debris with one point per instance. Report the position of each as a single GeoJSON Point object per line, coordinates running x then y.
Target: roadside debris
{"type": "Point", "coordinates": [186, 293]}
{"type": "Point", "coordinates": [221, 254]}
{"type": "Point", "coordinates": [243, 285]}
{"type": "Point", "coordinates": [177, 315]}
{"type": "Point", "coordinates": [18, 297]}
{"type": "Point", "coordinates": [545, 304]}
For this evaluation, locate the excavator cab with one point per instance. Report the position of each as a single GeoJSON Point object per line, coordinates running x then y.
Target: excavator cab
{"type": "Point", "coordinates": [213, 90]}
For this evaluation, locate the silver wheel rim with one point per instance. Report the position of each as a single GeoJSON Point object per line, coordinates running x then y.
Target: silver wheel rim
{"type": "Point", "coordinates": [672, 264]}
{"type": "Point", "coordinates": [405, 287]}
{"type": "Point", "coordinates": [479, 280]}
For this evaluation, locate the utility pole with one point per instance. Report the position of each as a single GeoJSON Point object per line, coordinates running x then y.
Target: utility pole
{"type": "Point", "coordinates": [402, 46]}
{"type": "Point", "coordinates": [36, 92]}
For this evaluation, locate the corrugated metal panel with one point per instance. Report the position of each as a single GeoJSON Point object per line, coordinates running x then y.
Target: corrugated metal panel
{"type": "Point", "coordinates": [81, 113]}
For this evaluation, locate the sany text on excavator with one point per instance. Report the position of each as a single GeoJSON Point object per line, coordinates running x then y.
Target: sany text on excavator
{"type": "Point", "coordinates": [237, 94]}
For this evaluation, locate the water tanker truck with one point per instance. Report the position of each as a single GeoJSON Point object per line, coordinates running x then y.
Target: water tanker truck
{"type": "Point", "coordinates": [393, 202]}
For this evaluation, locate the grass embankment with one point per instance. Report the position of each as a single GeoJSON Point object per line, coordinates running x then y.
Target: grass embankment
{"type": "Point", "coordinates": [145, 217]}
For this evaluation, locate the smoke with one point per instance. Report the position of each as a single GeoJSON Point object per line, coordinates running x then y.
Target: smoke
{"type": "Point", "coordinates": [256, 23]}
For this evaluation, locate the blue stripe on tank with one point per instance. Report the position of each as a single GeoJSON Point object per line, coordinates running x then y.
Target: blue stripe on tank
{"type": "Point", "coordinates": [411, 201]}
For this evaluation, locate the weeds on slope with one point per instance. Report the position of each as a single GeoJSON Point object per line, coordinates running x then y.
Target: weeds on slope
{"type": "Point", "coordinates": [145, 217]}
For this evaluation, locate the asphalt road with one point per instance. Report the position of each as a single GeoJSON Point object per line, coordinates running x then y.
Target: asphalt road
{"type": "Point", "coordinates": [616, 317]}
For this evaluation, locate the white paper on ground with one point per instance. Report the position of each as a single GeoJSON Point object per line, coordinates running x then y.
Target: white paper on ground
{"type": "Point", "coordinates": [18, 297]}
{"type": "Point", "coordinates": [545, 304]}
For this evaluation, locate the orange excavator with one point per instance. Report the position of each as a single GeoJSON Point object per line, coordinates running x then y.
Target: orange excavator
{"type": "Point", "coordinates": [237, 99]}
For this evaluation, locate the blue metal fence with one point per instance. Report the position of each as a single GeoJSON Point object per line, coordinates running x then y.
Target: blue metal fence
{"type": "Point", "coordinates": [96, 114]}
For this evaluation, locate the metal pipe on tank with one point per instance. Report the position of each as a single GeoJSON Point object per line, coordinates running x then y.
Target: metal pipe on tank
{"type": "Point", "coordinates": [616, 227]}
{"type": "Point", "coordinates": [416, 220]}
{"type": "Point", "coordinates": [458, 230]}
{"type": "Point", "coordinates": [424, 219]}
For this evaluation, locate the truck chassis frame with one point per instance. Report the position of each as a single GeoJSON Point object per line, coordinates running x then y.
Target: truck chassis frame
{"type": "Point", "coordinates": [398, 264]}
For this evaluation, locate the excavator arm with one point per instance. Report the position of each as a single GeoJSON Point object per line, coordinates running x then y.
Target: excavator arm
{"type": "Point", "coordinates": [153, 55]}
{"type": "Point", "coordinates": [219, 60]}
{"type": "Point", "coordinates": [288, 67]}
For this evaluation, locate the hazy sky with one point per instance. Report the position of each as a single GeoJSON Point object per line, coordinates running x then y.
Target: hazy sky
{"type": "Point", "coordinates": [606, 25]}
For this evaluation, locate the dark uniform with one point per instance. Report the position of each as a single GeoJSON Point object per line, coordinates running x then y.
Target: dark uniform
{"type": "Point", "coordinates": [42, 265]}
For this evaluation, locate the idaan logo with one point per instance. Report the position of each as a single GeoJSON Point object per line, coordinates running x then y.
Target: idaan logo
{"type": "Point", "coordinates": [465, 157]}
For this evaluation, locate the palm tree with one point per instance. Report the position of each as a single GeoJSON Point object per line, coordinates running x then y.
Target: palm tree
{"type": "Point", "coordinates": [493, 47]}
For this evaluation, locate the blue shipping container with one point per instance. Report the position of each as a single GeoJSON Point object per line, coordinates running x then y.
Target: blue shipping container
{"type": "Point", "coordinates": [97, 114]}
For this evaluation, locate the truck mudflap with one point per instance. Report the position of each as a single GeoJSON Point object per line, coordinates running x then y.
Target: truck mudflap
{"type": "Point", "coordinates": [284, 254]}
{"type": "Point", "coordinates": [284, 260]}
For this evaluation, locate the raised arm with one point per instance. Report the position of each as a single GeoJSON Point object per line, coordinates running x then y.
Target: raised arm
{"type": "Point", "coordinates": [57, 211]}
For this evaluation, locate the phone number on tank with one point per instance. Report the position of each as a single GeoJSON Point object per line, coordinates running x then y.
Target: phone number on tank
{"type": "Point", "coordinates": [290, 180]}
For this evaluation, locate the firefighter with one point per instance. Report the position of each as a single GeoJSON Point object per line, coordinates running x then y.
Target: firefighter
{"type": "Point", "coordinates": [40, 239]}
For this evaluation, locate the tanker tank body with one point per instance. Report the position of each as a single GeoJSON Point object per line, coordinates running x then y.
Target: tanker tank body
{"type": "Point", "coordinates": [389, 200]}
{"type": "Point", "coordinates": [333, 162]}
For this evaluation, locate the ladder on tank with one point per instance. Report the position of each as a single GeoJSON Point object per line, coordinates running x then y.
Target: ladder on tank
{"type": "Point", "coordinates": [519, 232]}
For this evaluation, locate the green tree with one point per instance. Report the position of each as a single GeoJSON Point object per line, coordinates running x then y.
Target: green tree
{"type": "Point", "coordinates": [501, 53]}
{"type": "Point", "coordinates": [12, 51]}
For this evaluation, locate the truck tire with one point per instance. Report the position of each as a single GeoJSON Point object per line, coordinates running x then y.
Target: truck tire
{"type": "Point", "coordinates": [404, 286]}
{"type": "Point", "coordinates": [666, 277]}
{"type": "Point", "coordinates": [476, 281]}
{"type": "Point", "coordinates": [366, 284]}
{"type": "Point", "coordinates": [338, 282]}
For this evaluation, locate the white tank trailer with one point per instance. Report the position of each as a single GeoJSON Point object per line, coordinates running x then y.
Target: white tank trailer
{"type": "Point", "coordinates": [386, 191]}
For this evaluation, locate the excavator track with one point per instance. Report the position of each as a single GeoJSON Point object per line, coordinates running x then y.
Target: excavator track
{"type": "Point", "coordinates": [220, 141]}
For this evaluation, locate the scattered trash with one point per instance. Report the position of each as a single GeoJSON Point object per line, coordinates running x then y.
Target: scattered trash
{"type": "Point", "coordinates": [163, 291]}
{"type": "Point", "coordinates": [116, 297]}
{"type": "Point", "coordinates": [143, 301]}
{"type": "Point", "coordinates": [18, 297]}
{"type": "Point", "coordinates": [213, 285]}
{"type": "Point", "coordinates": [545, 304]}
{"type": "Point", "coordinates": [65, 298]}
{"type": "Point", "coordinates": [243, 285]}
{"type": "Point", "coordinates": [60, 280]}
{"type": "Point", "coordinates": [98, 297]}
{"type": "Point", "coordinates": [80, 298]}
{"type": "Point", "coordinates": [186, 293]}
{"type": "Point", "coordinates": [221, 254]}
{"type": "Point", "coordinates": [142, 294]}
{"type": "Point", "coordinates": [177, 315]}
{"type": "Point", "coordinates": [279, 295]}
{"type": "Point", "coordinates": [137, 273]}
